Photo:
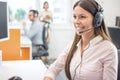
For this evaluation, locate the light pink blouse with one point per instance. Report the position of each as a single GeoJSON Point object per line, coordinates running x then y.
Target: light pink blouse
{"type": "Point", "coordinates": [99, 61]}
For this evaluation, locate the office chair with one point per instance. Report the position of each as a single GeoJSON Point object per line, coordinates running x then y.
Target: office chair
{"type": "Point", "coordinates": [118, 64]}
{"type": "Point", "coordinates": [41, 49]}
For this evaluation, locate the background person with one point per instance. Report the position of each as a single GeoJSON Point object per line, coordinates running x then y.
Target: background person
{"type": "Point", "coordinates": [46, 18]}
{"type": "Point", "coordinates": [35, 32]}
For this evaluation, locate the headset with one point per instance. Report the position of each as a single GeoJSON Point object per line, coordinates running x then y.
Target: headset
{"type": "Point", "coordinates": [98, 17]}
{"type": "Point", "coordinates": [35, 13]}
{"type": "Point", "coordinates": [97, 21]}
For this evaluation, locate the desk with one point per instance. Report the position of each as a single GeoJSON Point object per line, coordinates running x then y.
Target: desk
{"type": "Point", "coordinates": [26, 69]}
{"type": "Point", "coordinates": [25, 48]}
{"type": "Point", "coordinates": [11, 47]}
{"type": "Point", "coordinates": [17, 47]}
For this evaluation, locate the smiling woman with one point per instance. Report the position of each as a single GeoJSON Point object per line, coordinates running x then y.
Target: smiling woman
{"type": "Point", "coordinates": [91, 52]}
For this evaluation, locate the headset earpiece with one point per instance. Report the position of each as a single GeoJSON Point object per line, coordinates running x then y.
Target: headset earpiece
{"type": "Point", "coordinates": [98, 19]}
{"type": "Point", "coordinates": [35, 14]}
{"type": "Point", "coordinates": [97, 22]}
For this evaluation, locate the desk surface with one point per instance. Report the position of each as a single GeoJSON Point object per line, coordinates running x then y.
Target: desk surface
{"type": "Point", "coordinates": [25, 41]}
{"type": "Point", "coordinates": [26, 69]}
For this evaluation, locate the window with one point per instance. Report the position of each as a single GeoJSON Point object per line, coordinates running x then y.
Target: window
{"type": "Point", "coordinates": [60, 9]}
{"type": "Point", "coordinates": [18, 10]}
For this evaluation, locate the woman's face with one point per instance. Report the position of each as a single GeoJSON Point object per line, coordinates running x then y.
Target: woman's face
{"type": "Point", "coordinates": [46, 6]}
{"type": "Point", "coordinates": [83, 20]}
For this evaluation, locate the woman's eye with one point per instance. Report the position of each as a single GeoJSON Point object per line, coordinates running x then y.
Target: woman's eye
{"type": "Point", "coordinates": [74, 17]}
{"type": "Point", "coordinates": [79, 17]}
{"type": "Point", "coordinates": [82, 17]}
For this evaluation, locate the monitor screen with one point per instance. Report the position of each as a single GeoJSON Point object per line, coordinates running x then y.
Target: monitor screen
{"type": "Point", "coordinates": [3, 21]}
{"type": "Point", "coordinates": [115, 35]}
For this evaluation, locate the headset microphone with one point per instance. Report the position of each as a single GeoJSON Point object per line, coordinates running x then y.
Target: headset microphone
{"type": "Point", "coordinates": [85, 30]}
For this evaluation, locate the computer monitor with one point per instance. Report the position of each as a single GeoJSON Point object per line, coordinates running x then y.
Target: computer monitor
{"type": "Point", "coordinates": [114, 34]}
{"type": "Point", "coordinates": [4, 32]}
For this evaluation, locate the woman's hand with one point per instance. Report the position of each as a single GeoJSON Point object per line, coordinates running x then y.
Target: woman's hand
{"type": "Point", "coordinates": [48, 78]}
{"type": "Point", "coordinates": [47, 17]}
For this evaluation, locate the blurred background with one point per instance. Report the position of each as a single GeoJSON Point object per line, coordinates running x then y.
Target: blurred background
{"type": "Point", "coordinates": [62, 30]}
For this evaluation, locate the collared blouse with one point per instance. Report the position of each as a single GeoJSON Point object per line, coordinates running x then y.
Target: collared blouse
{"type": "Point", "coordinates": [99, 61]}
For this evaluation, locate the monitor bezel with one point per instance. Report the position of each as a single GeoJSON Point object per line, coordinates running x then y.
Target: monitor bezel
{"type": "Point", "coordinates": [5, 38]}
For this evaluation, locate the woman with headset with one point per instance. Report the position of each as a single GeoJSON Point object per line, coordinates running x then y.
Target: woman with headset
{"type": "Point", "coordinates": [92, 55]}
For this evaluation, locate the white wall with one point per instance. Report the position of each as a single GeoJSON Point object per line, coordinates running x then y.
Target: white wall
{"type": "Point", "coordinates": [111, 10]}
{"type": "Point", "coordinates": [61, 35]}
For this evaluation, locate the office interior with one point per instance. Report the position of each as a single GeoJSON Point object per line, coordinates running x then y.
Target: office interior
{"type": "Point", "coordinates": [18, 47]}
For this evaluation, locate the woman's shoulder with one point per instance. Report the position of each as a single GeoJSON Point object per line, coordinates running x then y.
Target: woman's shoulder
{"type": "Point", "coordinates": [108, 45]}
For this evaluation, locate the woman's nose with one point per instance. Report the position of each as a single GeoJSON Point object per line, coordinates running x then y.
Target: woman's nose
{"type": "Point", "coordinates": [77, 20]}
